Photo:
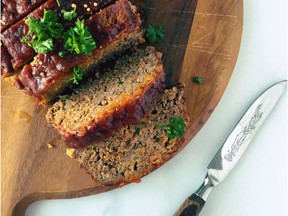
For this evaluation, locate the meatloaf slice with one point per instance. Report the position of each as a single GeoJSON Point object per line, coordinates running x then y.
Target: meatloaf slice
{"type": "Point", "coordinates": [119, 97]}
{"type": "Point", "coordinates": [14, 10]}
{"type": "Point", "coordinates": [138, 149]}
{"type": "Point", "coordinates": [114, 29]}
{"type": "Point", "coordinates": [22, 53]}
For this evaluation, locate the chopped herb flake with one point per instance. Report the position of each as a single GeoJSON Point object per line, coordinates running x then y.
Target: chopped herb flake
{"type": "Point", "coordinates": [155, 119]}
{"type": "Point", "coordinates": [78, 75]}
{"type": "Point", "coordinates": [136, 132]}
{"type": "Point", "coordinates": [175, 129]}
{"type": "Point", "coordinates": [110, 76]}
{"type": "Point", "coordinates": [198, 80]}
{"type": "Point", "coordinates": [120, 82]}
{"type": "Point", "coordinates": [154, 34]}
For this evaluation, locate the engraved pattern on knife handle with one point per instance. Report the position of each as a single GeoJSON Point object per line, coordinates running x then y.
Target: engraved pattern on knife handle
{"type": "Point", "coordinates": [191, 206]}
{"type": "Point", "coordinates": [241, 137]}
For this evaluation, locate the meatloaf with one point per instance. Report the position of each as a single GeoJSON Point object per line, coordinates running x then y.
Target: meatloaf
{"type": "Point", "coordinates": [14, 10]}
{"type": "Point", "coordinates": [6, 67]}
{"type": "Point", "coordinates": [138, 149]}
{"type": "Point", "coordinates": [114, 29]}
{"type": "Point", "coordinates": [102, 106]}
{"type": "Point", "coordinates": [22, 53]}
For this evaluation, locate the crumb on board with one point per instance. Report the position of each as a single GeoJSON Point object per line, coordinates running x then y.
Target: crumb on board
{"type": "Point", "coordinates": [70, 152]}
{"type": "Point", "coordinates": [49, 145]}
{"type": "Point", "coordinates": [25, 116]}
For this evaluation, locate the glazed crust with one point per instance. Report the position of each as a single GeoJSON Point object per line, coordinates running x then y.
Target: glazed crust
{"type": "Point", "coordinates": [138, 149]}
{"type": "Point", "coordinates": [125, 103]}
{"type": "Point", "coordinates": [114, 29]}
{"type": "Point", "coordinates": [21, 53]}
{"type": "Point", "coordinates": [13, 10]}
{"type": "Point", "coordinates": [130, 112]}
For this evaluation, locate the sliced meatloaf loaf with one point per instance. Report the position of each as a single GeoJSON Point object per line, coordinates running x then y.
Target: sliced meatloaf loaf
{"type": "Point", "coordinates": [114, 29]}
{"type": "Point", "coordinates": [119, 97]}
{"type": "Point", "coordinates": [14, 10]}
{"type": "Point", "coordinates": [138, 149]}
{"type": "Point", "coordinates": [22, 53]}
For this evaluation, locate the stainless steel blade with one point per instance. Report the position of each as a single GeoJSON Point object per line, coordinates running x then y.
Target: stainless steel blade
{"type": "Point", "coordinates": [235, 145]}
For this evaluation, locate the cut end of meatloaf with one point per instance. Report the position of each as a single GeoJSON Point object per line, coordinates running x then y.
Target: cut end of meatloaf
{"type": "Point", "coordinates": [102, 106]}
{"type": "Point", "coordinates": [138, 149]}
{"type": "Point", "coordinates": [124, 42]}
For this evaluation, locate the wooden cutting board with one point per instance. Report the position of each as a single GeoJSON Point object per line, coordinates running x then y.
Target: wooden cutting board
{"type": "Point", "coordinates": [202, 39]}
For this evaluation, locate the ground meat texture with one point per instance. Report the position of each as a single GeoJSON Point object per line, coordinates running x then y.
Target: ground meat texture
{"type": "Point", "coordinates": [114, 29]}
{"type": "Point", "coordinates": [13, 10]}
{"type": "Point", "coordinates": [102, 106]}
{"type": "Point", "coordinates": [22, 53]}
{"type": "Point", "coordinates": [138, 149]}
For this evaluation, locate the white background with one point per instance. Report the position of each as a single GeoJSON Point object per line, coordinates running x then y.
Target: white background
{"type": "Point", "coordinates": [258, 184]}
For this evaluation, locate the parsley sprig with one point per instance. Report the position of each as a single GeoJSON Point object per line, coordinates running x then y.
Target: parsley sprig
{"type": "Point", "coordinates": [155, 34]}
{"type": "Point", "coordinates": [78, 75]}
{"type": "Point", "coordinates": [42, 32]}
{"type": "Point", "coordinates": [69, 15]}
{"type": "Point", "coordinates": [79, 39]}
{"type": "Point", "coordinates": [175, 129]}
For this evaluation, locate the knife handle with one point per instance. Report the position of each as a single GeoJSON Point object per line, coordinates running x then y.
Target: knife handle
{"type": "Point", "coordinates": [191, 206]}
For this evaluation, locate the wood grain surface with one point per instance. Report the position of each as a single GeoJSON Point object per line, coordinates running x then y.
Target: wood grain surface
{"type": "Point", "coordinates": [202, 39]}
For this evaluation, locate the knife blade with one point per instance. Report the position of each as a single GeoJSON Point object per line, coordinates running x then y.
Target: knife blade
{"type": "Point", "coordinates": [233, 148]}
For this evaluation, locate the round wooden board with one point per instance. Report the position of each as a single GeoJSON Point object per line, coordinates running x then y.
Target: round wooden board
{"type": "Point", "coordinates": [202, 39]}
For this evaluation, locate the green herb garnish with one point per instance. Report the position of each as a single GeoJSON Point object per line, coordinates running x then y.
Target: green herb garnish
{"type": "Point", "coordinates": [175, 129]}
{"type": "Point", "coordinates": [137, 131]}
{"type": "Point", "coordinates": [69, 15]}
{"type": "Point", "coordinates": [78, 75]}
{"type": "Point", "coordinates": [42, 32]}
{"type": "Point", "coordinates": [120, 82]}
{"type": "Point", "coordinates": [154, 34]}
{"type": "Point", "coordinates": [198, 80]}
{"type": "Point", "coordinates": [62, 53]}
{"type": "Point", "coordinates": [78, 39]}
{"type": "Point", "coordinates": [42, 46]}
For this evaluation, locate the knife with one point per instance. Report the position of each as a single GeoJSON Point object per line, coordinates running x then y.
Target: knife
{"type": "Point", "coordinates": [233, 148]}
